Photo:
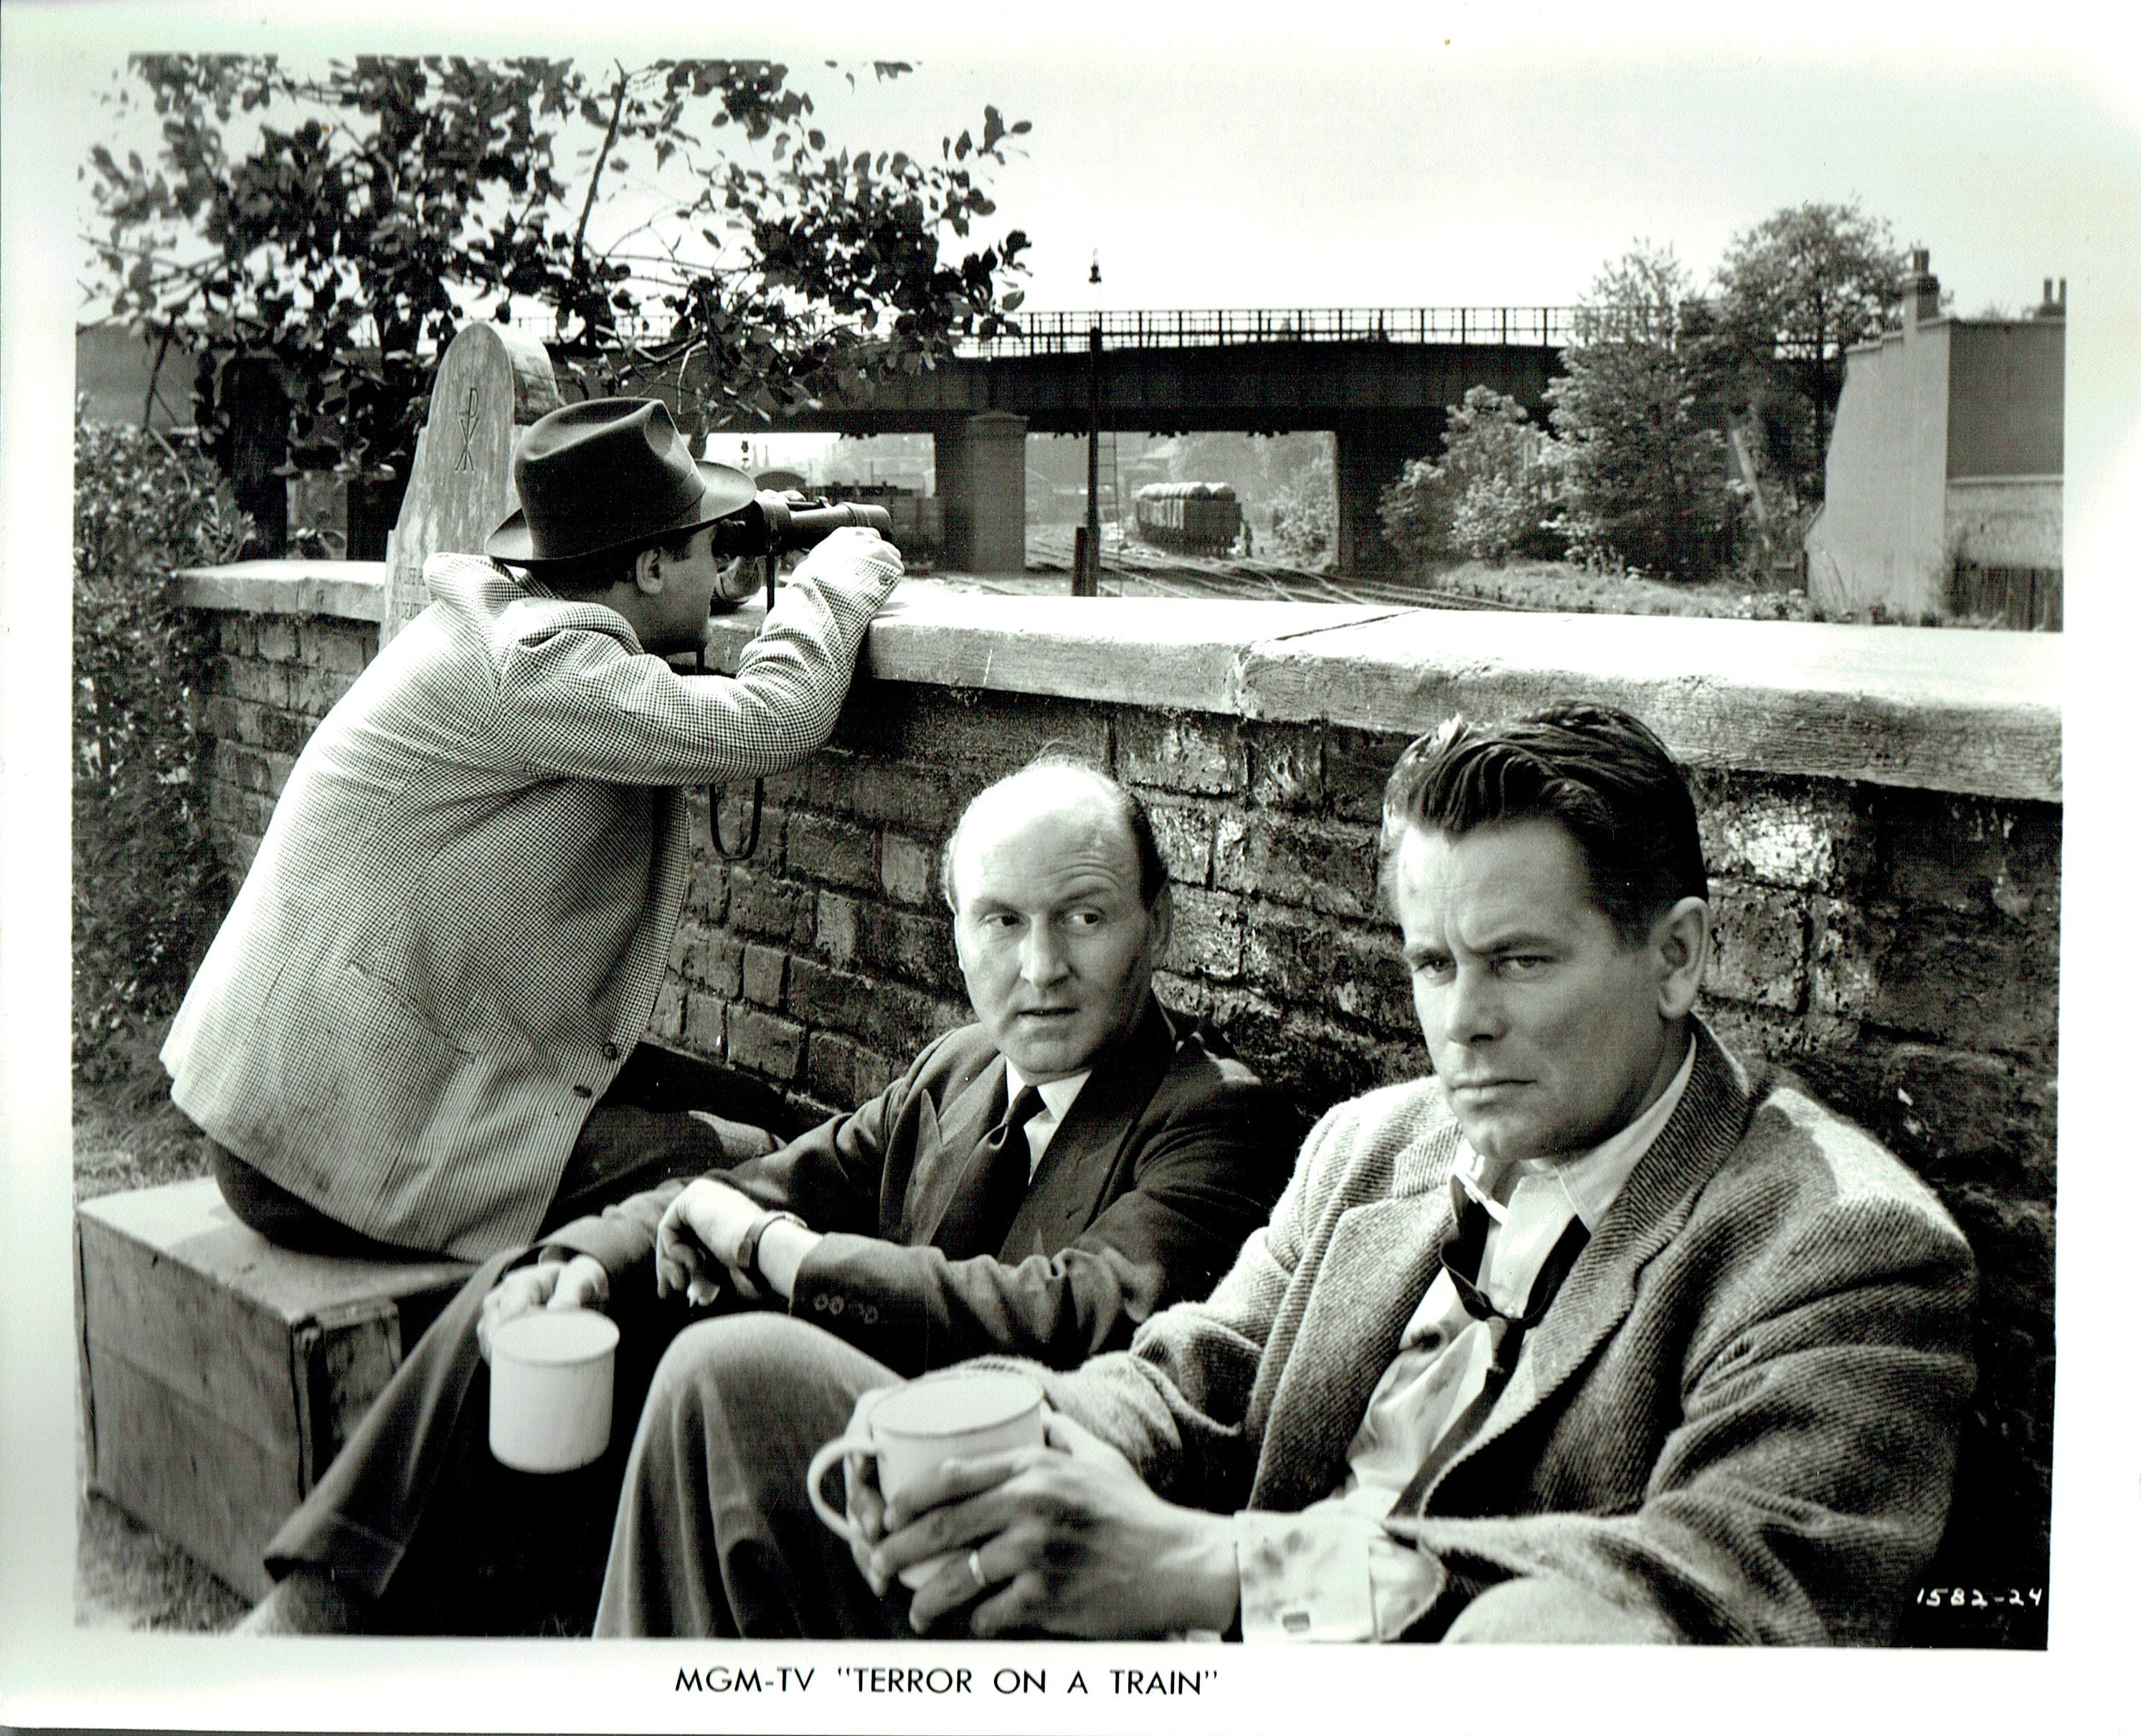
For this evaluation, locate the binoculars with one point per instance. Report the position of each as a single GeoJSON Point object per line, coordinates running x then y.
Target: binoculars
{"type": "Point", "coordinates": [777, 524]}
{"type": "Point", "coordinates": [769, 526]}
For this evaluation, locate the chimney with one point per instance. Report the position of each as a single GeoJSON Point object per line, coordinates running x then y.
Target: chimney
{"type": "Point", "coordinates": [2054, 306]}
{"type": "Point", "coordinates": [1921, 290]}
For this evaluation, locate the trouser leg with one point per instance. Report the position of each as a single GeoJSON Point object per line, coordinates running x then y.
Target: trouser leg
{"type": "Point", "coordinates": [417, 1515]}
{"type": "Point", "coordinates": [714, 1535]}
{"type": "Point", "coordinates": [624, 1149]}
{"type": "Point", "coordinates": [358, 1519]}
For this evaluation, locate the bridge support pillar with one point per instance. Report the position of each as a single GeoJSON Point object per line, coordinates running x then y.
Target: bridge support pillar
{"type": "Point", "coordinates": [1371, 455]}
{"type": "Point", "coordinates": [981, 478]}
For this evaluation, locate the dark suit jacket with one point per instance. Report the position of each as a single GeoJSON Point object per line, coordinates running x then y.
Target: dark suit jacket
{"type": "Point", "coordinates": [1172, 1154]}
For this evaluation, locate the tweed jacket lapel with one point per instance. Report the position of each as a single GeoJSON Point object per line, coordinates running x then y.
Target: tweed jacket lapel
{"type": "Point", "coordinates": [1711, 1121]}
{"type": "Point", "coordinates": [1376, 1267]}
{"type": "Point", "coordinates": [945, 1148]}
{"type": "Point", "coordinates": [1065, 1191]}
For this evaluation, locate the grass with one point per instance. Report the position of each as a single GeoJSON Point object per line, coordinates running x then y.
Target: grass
{"type": "Point", "coordinates": [127, 1131]}
{"type": "Point", "coordinates": [127, 1134]}
{"type": "Point", "coordinates": [126, 1576]}
{"type": "Point", "coordinates": [1560, 585]}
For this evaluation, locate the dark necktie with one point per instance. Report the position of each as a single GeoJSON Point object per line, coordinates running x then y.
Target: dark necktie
{"type": "Point", "coordinates": [1461, 1254]}
{"type": "Point", "coordinates": [994, 1185]}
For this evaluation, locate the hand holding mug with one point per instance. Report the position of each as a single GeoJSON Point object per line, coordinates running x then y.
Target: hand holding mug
{"type": "Point", "coordinates": [579, 1282]}
{"type": "Point", "coordinates": [901, 1433]}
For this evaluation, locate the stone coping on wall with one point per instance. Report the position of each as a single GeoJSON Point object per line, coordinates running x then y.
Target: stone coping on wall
{"type": "Point", "coordinates": [1965, 712]}
{"type": "Point", "coordinates": [344, 590]}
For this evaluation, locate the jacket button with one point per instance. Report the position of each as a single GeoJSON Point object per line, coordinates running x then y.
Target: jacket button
{"type": "Point", "coordinates": [584, 1090]}
{"type": "Point", "coordinates": [611, 1051]}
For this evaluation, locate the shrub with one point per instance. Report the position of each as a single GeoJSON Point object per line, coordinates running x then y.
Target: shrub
{"type": "Point", "coordinates": [1305, 514]}
{"type": "Point", "coordinates": [1490, 498]}
{"type": "Point", "coordinates": [148, 888]}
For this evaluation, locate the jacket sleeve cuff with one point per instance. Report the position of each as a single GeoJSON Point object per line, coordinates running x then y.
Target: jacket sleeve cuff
{"type": "Point", "coordinates": [844, 1286]}
{"type": "Point", "coordinates": [1327, 1575]}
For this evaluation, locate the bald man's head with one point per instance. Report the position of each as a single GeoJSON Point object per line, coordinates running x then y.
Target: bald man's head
{"type": "Point", "coordinates": [1059, 780]}
{"type": "Point", "coordinates": [1060, 913]}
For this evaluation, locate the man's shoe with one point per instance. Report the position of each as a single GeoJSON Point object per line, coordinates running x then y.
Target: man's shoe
{"type": "Point", "coordinates": [307, 1602]}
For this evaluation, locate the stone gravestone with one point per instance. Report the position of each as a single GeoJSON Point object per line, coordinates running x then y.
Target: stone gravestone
{"type": "Point", "coordinates": [492, 382]}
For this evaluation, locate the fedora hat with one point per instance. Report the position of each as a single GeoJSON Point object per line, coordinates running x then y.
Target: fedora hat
{"type": "Point", "coordinates": [606, 474]}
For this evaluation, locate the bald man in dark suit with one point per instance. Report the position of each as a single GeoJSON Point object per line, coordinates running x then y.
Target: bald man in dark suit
{"type": "Point", "coordinates": [1039, 1182]}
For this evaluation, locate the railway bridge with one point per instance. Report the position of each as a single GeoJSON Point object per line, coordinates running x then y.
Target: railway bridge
{"type": "Point", "coordinates": [1379, 379]}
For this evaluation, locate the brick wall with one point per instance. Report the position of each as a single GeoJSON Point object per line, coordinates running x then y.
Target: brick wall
{"type": "Point", "coordinates": [293, 635]}
{"type": "Point", "coordinates": [1891, 934]}
{"type": "Point", "coordinates": [278, 675]}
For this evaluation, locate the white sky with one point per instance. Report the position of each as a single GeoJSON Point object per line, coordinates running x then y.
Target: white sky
{"type": "Point", "coordinates": [1316, 154]}
{"type": "Point", "coordinates": [1344, 155]}
{"type": "Point", "coordinates": [1503, 173]}
{"type": "Point", "coordinates": [1459, 157]}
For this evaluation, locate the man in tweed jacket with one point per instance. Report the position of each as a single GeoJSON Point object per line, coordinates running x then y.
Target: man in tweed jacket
{"type": "Point", "coordinates": [455, 928]}
{"type": "Point", "coordinates": [1596, 1335]}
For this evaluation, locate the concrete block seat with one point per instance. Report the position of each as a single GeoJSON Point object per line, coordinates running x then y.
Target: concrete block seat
{"type": "Point", "coordinates": [222, 1374]}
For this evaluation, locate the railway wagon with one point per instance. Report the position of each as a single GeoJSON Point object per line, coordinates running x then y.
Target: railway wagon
{"type": "Point", "coordinates": [1194, 517]}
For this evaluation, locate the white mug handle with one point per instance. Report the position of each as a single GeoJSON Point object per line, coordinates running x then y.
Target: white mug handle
{"type": "Point", "coordinates": [822, 1461]}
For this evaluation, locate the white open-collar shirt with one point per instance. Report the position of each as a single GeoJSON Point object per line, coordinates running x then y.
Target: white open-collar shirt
{"type": "Point", "coordinates": [1330, 1572]}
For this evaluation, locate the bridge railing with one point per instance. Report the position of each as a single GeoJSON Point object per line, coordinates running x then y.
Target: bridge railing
{"type": "Point", "coordinates": [1055, 333]}
{"type": "Point", "coordinates": [1052, 333]}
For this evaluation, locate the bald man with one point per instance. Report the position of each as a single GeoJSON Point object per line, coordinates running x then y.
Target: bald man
{"type": "Point", "coordinates": [1039, 1181]}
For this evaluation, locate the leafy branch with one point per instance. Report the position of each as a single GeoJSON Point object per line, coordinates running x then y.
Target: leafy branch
{"type": "Point", "coordinates": [336, 228]}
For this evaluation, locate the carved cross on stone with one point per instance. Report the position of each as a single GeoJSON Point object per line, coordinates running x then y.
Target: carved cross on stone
{"type": "Point", "coordinates": [492, 382]}
{"type": "Point", "coordinates": [470, 418]}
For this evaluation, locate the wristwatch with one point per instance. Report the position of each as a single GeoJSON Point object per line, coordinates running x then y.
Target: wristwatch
{"type": "Point", "coordinates": [747, 1248]}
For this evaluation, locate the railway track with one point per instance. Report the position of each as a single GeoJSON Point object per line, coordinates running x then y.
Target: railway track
{"type": "Point", "coordinates": [1136, 569]}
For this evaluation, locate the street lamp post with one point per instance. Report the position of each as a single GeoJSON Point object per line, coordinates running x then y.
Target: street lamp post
{"type": "Point", "coordinates": [1085, 578]}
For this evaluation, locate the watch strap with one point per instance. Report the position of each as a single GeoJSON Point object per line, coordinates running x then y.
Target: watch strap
{"type": "Point", "coordinates": [747, 1248]}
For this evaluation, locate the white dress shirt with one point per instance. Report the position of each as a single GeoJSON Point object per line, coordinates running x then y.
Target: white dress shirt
{"type": "Point", "coordinates": [1330, 1572]}
{"type": "Point", "coordinates": [1057, 1097]}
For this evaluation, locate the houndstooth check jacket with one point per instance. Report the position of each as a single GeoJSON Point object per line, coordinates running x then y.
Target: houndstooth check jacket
{"type": "Point", "coordinates": [1736, 1423]}
{"type": "Point", "coordinates": [456, 927]}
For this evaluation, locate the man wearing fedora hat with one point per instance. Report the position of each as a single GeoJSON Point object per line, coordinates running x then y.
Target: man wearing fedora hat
{"type": "Point", "coordinates": [407, 1032]}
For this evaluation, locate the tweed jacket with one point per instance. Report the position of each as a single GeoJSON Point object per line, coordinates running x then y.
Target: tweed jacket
{"type": "Point", "coordinates": [457, 921]}
{"type": "Point", "coordinates": [1171, 1154]}
{"type": "Point", "coordinates": [1737, 1423]}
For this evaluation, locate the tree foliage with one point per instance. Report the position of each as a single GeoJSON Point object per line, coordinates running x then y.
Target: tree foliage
{"type": "Point", "coordinates": [1689, 432]}
{"type": "Point", "coordinates": [1795, 291]}
{"type": "Point", "coordinates": [1305, 512]}
{"type": "Point", "coordinates": [337, 227]}
{"type": "Point", "coordinates": [1639, 452]}
{"type": "Point", "coordinates": [1490, 497]}
{"type": "Point", "coordinates": [147, 882]}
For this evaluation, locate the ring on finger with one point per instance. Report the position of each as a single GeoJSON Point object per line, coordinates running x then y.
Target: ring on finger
{"type": "Point", "coordinates": [974, 1567]}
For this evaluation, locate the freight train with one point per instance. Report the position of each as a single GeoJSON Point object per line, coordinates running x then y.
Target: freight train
{"type": "Point", "coordinates": [1191, 518]}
